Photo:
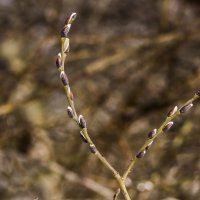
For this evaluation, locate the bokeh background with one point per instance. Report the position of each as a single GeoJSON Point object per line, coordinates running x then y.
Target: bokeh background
{"type": "Point", "coordinates": [129, 62]}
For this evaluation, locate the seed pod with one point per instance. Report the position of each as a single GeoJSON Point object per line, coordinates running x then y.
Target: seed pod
{"type": "Point", "coordinates": [83, 137]}
{"type": "Point", "coordinates": [149, 145]}
{"type": "Point", "coordinates": [167, 126]}
{"type": "Point", "coordinates": [172, 111]}
{"type": "Point", "coordinates": [59, 61]}
{"type": "Point", "coordinates": [70, 94]}
{"type": "Point", "coordinates": [70, 112]}
{"type": "Point", "coordinates": [152, 133]}
{"type": "Point", "coordinates": [82, 122]}
{"type": "Point", "coordinates": [198, 92]}
{"type": "Point", "coordinates": [71, 18]}
{"type": "Point", "coordinates": [186, 108]}
{"type": "Point", "coordinates": [64, 78]}
{"type": "Point", "coordinates": [141, 154]}
{"type": "Point", "coordinates": [93, 149]}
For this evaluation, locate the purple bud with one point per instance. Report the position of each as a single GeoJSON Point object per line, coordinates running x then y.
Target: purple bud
{"type": "Point", "coordinates": [167, 126]}
{"type": "Point", "coordinates": [82, 122]}
{"type": "Point", "coordinates": [83, 137]}
{"type": "Point", "coordinates": [152, 133]}
{"type": "Point", "coordinates": [141, 154]}
{"type": "Point", "coordinates": [149, 145]}
{"type": "Point", "coordinates": [186, 108]}
{"type": "Point", "coordinates": [172, 111]}
{"type": "Point", "coordinates": [198, 92]}
{"type": "Point", "coordinates": [70, 112]}
{"type": "Point", "coordinates": [64, 78]}
{"type": "Point", "coordinates": [65, 31]}
{"type": "Point", "coordinates": [59, 61]}
{"type": "Point", "coordinates": [93, 148]}
{"type": "Point", "coordinates": [71, 18]}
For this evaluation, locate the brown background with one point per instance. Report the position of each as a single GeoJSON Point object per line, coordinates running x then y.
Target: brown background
{"type": "Point", "coordinates": [129, 62]}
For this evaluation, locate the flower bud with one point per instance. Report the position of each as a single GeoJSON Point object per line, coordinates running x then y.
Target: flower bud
{"type": "Point", "coordinates": [64, 78]}
{"type": "Point", "coordinates": [70, 112]}
{"type": "Point", "coordinates": [141, 154]}
{"type": "Point", "coordinates": [198, 92]}
{"type": "Point", "coordinates": [186, 108]}
{"type": "Point", "coordinates": [66, 45]}
{"type": "Point", "coordinates": [59, 61]}
{"type": "Point", "coordinates": [83, 137]}
{"type": "Point", "coordinates": [82, 122]}
{"type": "Point", "coordinates": [172, 111]}
{"type": "Point", "coordinates": [167, 126]}
{"type": "Point", "coordinates": [152, 133]}
{"type": "Point", "coordinates": [65, 30]}
{"type": "Point", "coordinates": [93, 149]}
{"type": "Point", "coordinates": [71, 18]}
{"type": "Point", "coordinates": [149, 145]}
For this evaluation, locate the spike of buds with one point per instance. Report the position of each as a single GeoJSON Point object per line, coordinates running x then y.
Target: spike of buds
{"type": "Point", "coordinates": [149, 145]}
{"type": "Point", "coordinates": [172, 111]}
{"type": "Point", "coordinates": [82, 122]}
{"type": "Point", "coordinates": [168, 126]}
{"type": "Point", "coordinates": [141, 154]}
{"type": "Point", "coordinates": [64, 78]}
{"type": "Point", "coordinates": [70, 94]}
{"type": "Point", "coordinates": [70, 112]}
{"type": "Point", "coordinates": [186, 108]}
{"type": "Point", "coordinates": [83, 137]}
{"type": "Point", "coordinates": [152, 133]}
{"type": "Point", "coordinates": [93, 149]}
{"type": "Point", "coordinates": [198, 92]}
{"type": "Point", "coordinates": [59, 61]}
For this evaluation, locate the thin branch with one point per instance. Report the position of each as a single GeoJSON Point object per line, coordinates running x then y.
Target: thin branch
{"type": "Point", "coordinates": [71, 108]}
{"type": "Point", "coordinates": [165, 126]}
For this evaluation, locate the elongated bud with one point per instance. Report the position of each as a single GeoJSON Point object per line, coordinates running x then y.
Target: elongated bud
{"type": "Point", "coordinates": [186, 108]}
{"type": "Point", "coordinates": [64, 78]}
{"type": "Point", "coordinates": [59, 61]}
{"type": "Point", "coordinates": [83, 137]}
{"type": "Point", "coordinates": [82, 122]}
{"type": "Point", "coordinates": [66, 45]}
{"type": "Point", "coordinates": [70, 112]}
{"type": "Point", "coordinates": [168, 126]}
{"type": "Point", "coordinates": [152, 133]}
{"type": "Point", "coordinates": [93, 149]}
{"type": "Point", "coordinates": [149, 145]}
{"type": "Point", "coordinates": [70, 94]}
{"type": "Point", "coordinates": [71, 18]}
{"type": "Point", "coordinates": [198, 92]}
{"type": "Point", "coordinates": [65, 30]}
{"type": "Point", "coordinates": [141, 154]}
{"type": "Point", "coordinates": [172, 111]}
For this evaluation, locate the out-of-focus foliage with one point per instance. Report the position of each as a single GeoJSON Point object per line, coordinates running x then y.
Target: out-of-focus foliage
{"type": "Point", "coordinates": [129, 62]}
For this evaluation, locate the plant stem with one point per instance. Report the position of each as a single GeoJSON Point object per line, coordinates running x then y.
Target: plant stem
{"type": "Point", "coordinates": [84, 131]}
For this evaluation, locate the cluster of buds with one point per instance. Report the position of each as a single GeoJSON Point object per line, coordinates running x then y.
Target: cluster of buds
{"type": "Point", "coordinates": [171, 113]}
{"type": "Point", "coordinates": [60, 65]}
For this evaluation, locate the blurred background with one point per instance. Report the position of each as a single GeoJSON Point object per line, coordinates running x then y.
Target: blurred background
{"type": "Point", "coordinates": [130, 61]}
